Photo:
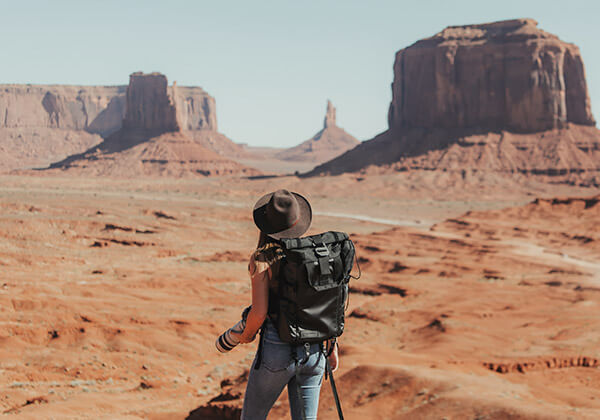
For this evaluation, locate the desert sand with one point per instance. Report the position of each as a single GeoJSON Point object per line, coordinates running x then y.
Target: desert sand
{"type": "Point", "coordinates": [112, 293]}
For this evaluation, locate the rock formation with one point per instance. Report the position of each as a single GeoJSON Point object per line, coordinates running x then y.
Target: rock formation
{"type": "Point", "coordinates": [41, 124]}
{"type": "Point", "coordinates": [95, 109]}
{"type": "Point", "coordinates": [149, 105]}
{"type": "Point", "coordinates": [151, 141]}
{"type": "Point", "coordinates": [507, 75]}
{"type": "Point", "coordinates": [502, 96]}
{"type": "Point", "coordinates": [195, 109]}
{"type": "Point", "coordinates": [329, 116]}
{"type": "Point", "coordinates": [171, 154]}
{"type": "Point", "coordinates": [328, 143]}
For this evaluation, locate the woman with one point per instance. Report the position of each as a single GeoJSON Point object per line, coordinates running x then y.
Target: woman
{"type": "Point", "coordinates": [278, 215]}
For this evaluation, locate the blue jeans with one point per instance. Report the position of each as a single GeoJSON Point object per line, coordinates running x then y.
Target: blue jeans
{"type": "Point", "coordinates": [278, 369]}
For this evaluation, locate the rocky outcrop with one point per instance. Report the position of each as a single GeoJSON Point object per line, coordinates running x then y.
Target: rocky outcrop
{"type": "Point", "coordinates": [152, 141]}
{"type": "Point", "coordinates": [328, 143]}
{"type": "Point", "coordinates": [196, 110]}
{"type": "Point", "coordinates": [506, 75]}
{"type": "Point", "coordinates": [153, 105]}
{"type": "Point", "coordinates": [41, 124]}
{"type": "Point", "coordinates": [149, 105]}
{"type": "Point", "coordinates": [96, 109]}
{"type": "Point", "coordinates": [329, 116]}
{"type": "Point", "coordinates": [504, 97]}
{"type": "Point", "coordinates": [225, 406]}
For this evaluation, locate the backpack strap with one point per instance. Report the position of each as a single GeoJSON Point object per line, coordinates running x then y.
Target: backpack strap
{"type": "Point", "coordinates": [339, 236]}
{"type": "Point", "coordinates": [329, 373]}
{"type": "Point", "coordinates": [357, 264]}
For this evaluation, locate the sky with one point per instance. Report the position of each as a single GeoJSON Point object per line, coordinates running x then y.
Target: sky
{"type": "Point", "coordinates": [271, 65]}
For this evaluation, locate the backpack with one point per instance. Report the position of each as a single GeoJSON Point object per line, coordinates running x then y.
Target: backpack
{"type": "Point", "coordinates": [313, 287]}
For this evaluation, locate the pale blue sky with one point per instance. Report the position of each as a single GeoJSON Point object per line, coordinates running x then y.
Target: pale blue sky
{"type": "Point", "coordinates": [271, 65]}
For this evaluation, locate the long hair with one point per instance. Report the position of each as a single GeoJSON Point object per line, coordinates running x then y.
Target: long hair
{"type": "Point", "coordinates": [264, 239]}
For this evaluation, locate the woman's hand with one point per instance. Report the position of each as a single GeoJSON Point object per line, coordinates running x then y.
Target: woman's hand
{"type": "Point", "coordinates": [243, 339]}
{"type": "Point", "coordinates": [334, 358]}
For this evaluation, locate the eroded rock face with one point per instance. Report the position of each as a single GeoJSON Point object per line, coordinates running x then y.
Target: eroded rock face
{"type": "Point", "coordinates": [156, 138]}
{"type": "Point", "coordinates": [195, 109]}
{"type": "Point", "coordinates": [149, 106]}
{"type": "Point", "coordinates": [329, 116]}
{"type": "Point", "coordinates": [42, 124]}
{"type": "Point", "coordinates": [95, 109]}
{"type": "Point", "coordinates": [505, 98]}
{"type": "Point", "coordinates": [505, 75]}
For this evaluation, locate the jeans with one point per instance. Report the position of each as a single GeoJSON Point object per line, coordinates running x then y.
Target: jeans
{"type": "Point", "coordinates": [278, 369]}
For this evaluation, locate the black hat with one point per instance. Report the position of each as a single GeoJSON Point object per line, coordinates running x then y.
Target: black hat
{"type": "Point", "coordinates": [282, 214]}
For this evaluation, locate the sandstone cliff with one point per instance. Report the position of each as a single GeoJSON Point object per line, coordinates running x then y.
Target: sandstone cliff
{"type": "Point", "coordinates": [504, 96]}
{"type": "Point", "coordinates": [504, 75]}
{"type": "Point", "coordinates": [149, 106]}
{"type": "Point", "coordinates": [95, 109]}
{"type": "Point", "coordinates": [41, 124]}
{"type": "Point", "coordinates": [328, 143]}
{"type": "Point", "coordinates": [152, 141]}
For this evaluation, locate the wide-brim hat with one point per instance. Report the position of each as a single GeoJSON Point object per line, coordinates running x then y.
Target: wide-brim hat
{"type": "Point", "coordinates": [282, 214]}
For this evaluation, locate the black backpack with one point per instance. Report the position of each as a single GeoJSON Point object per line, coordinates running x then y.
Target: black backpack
{"type": "Point", "coordinates": [313, 287]}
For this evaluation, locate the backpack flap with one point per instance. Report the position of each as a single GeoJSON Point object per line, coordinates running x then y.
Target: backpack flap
{"type": "Point", "coordinates": [332, 252]}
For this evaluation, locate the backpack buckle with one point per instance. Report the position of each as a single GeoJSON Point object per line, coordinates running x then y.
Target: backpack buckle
{"type": "Point", "coordinates": [322, 251]}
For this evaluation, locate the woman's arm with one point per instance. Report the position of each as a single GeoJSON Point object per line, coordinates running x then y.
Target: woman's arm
{"type": "Point", "coordinates": [260, 273]}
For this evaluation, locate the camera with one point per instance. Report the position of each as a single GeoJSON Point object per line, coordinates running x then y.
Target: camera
{"type": "Point", "coordinates": [226, 341]}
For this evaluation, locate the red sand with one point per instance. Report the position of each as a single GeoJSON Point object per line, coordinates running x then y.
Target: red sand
{"type": "Point", "coordinates": [112, 293]}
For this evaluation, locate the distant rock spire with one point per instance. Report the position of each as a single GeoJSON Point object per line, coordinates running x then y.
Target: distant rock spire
{"type": "Point", "coordinates": [330, 115]}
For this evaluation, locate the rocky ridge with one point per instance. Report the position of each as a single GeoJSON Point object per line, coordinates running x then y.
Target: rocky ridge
{"type": "Point", "coordinates": [504, 97]}
{"type": "Point", "coordinates": [42, 124]}
{"type": "Point", "coordinates": [151, 141]}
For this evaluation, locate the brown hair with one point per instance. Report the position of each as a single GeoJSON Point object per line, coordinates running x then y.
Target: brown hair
{"type": "Point", "coordinates": [264, 239]}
